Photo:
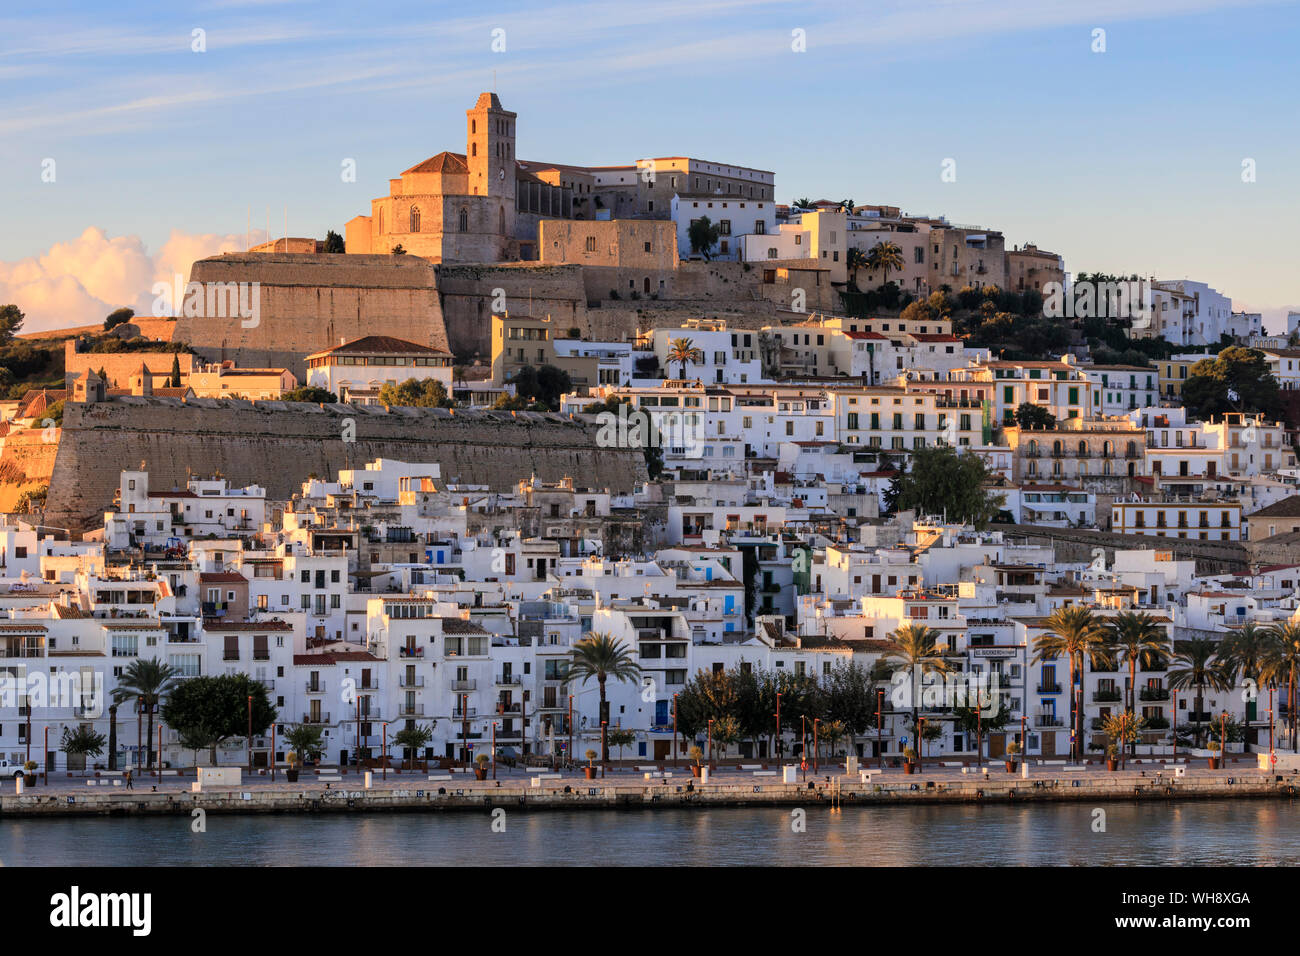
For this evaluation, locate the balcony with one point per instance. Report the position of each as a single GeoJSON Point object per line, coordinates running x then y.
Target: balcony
{"type": "Point", "coordinates": [405, 651]}
{"type": "Point", "coordinates": [369, 684]}
{"type": "Point", "coordinates": [374, 713]}
{"type": "Point", "coordinates": [464, 685]}
{"type": "Point", "coordinates": [507, 680]}
{"type": "Point", "coordinates": [1153, 693]}
{"type": "Point", "coordinates": [315, 688]}
{"type": "Point", "coordinates": [507, 708]}
{"type": "Point", "coordinates": [1106, 696]}
{"type": "Point", "coordinates": [316, 718]}
{"type": "Point", "coordinates": [410, 710]}
{"type": "Point", "coordinates": [1048, 720]}
{"type": "Point", "coordinates": [461, 714]}
{"type": "Point", "coordinates": [1052, 688]}
{"type": "Point", "coordinates": [410, 682]}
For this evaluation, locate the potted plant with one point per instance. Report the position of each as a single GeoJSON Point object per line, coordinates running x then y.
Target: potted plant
{"type": "Point", "coordinates": [697, 760]}
{"type": "Point", "coordinates": [1215, 759]}
{"type": "Point", "coordinates": [29, 768]}
{"type": "Point", "coordinates": [306, 743]}
{"type": "Point", "coordinates": [292, 773]}
{"type": "Point", "coordinates": [480, 772]}
{"type": "Point", "coordinates": [1013, 751]}
{"type": "Point", "coordinates": [909, 760]}
{"type": "Point", "coordinates": [590, 769]}
{"type": "Point", "coordinates": [1112, 757]}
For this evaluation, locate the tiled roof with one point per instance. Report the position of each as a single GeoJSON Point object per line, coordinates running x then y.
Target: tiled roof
{"type": "Point", "coordinates": [1286, 508]}
{"type": "Point", "coordinates": [443, 162]}
{"type": "Point", "coordinates": [385, 344]}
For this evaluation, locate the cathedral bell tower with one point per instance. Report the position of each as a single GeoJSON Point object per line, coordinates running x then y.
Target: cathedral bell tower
{"type": "Point", "coordinates": [490, 155]}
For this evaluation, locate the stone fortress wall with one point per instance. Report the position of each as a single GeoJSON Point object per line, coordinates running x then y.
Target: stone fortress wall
{"type": "Point", "coordinates": [278, 444]}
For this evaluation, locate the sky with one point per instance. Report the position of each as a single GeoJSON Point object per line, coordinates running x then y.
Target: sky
{"type": "Point", "coordinates": [137, 137]}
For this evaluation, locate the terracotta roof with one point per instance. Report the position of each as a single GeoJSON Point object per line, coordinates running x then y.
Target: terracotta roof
{"type": "Point", "coordinates": [386, 344]}
{"type": "Point", "coordinates": [247, 626]}
{"type": "Point", "coordinates": [443, 162]}
{"type": "Point", "coordinates": [1286, 508]}
{"type": "Point", "coordinates": [335, 657]}
{"type": "Point", "coordinates": [454, 625]}
{"type": "Point", "coordinates": [218, 577]}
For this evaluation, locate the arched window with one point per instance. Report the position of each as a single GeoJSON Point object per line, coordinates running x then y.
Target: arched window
{"type": "Point", "coordinates": [473, 149]}
{"type": "Point", "coordinates": [1083, 449]}
{"type": "Point", "coordinates": [1033, 448]}
{"type": "Point", "coordinates": [464, 220]}
{"type": "Point", "coordinates": [1056, 448]}
{"type": "Point", "coordinates": [1108, 450]}
{"type": "Point", "coordinates": [415, 219]}
{"type": "Point", "coordinates": [1131, 450]}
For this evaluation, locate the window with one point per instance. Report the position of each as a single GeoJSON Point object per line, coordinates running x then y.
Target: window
{"type": "Point", "coordinates": [463, 221]}
{"type": "Point", "coordinates": [415, 219]}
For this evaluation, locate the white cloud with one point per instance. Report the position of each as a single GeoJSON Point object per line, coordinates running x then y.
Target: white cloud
{"type": "Point", "coordinates": [80, 281]}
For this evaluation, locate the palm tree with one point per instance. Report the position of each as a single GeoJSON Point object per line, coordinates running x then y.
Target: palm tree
{"type": "Point", "coordinates": [598, 655]}
{"type": "Point", "coordinates": [1123, 729]}
{"type": "Point", "coordinates": [885, 256]}
{"type": "Point", "coordinates": [1283, 658]}
{"type": "Point", "coordinates": [1074, 632]}
{"type": "Point", "coordinates": [847, 205]}
{"type": "Point", "coordinates": [804, 203]}
{"type": "Point", "coordinates": [683, 351]}
{"type": "Point", "coordinates": [1137, 639]}
{"type": "Point", "coordinates": [855, 259]}
{"type": "Point", "coordinates": [1200, 668]}
{"type": "Point", "coordinates": [414, 738]}
{"type": "Point", "coordinates": [149, 682]}
{"type": "Point", "coordinates": [1245, 653]}
{"type": "Point", "coordinates": [916, 647]}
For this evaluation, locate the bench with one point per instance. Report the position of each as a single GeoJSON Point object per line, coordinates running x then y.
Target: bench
{"type": "Point", "coordinates": [751, 766]}
{"type": "Point", "coordinates": [435, 777]}
{"type": "Point", "coordinates": [651, 768]}
{"type": "Point", "coordinates": [1074, 768]}
{"type": "Point", "coordinates": [330, 778]}
{"type": "Point", "coordinates": [764, 773]}
{"type": "Point", "coordinates": [462, 769]}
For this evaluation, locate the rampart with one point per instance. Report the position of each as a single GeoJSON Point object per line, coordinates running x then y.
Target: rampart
{"type": "Point", "coordinates": [278, 444]}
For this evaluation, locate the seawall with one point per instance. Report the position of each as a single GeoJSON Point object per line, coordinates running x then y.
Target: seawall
{"type": "Point", "coordinates": [278, 444]}
{"type": "Point", "coordinates": [418, 795]}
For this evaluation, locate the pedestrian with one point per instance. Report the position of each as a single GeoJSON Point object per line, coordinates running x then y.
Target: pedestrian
{"type": "Point", "coordinates": [129, 785]}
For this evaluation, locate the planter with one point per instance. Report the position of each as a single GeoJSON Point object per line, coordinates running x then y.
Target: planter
{"type": "Point", "coordinates": [480, 773]}
{"type": "Point", "coordinates": [909, 767]}
{"type": "Point", "coordinates": [291, 776]}
{"type": "Point", "coordinates": [1214, 763]}
{"type": "Point", "coordinates": [1112, 764]}
{"type": "Point", "coordinates": [695, 769]}
{"type": "Point", "coordinates": [1010, 765]}
{"type": "Point", "coordinates": [591, 772]}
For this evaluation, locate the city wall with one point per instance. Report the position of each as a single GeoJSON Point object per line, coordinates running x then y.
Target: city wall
{"type": "Point", "coordinates": [277, 445]}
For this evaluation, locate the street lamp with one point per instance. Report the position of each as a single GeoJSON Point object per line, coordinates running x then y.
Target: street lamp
{"type": "Point", "coordinates": [674, 730]}
{"type": "Point", "coordinates": [710, 760]}
{"type": "Point", "coordinates": [385, 739]}
{"type": "Point", "coordinates": [250, 735]}
{"type": "Point", "coordinates": [776, 744]}
{"type": "Point", "coordinates": [880, 729]}
{"type": "Point", "coordinates": [816, 721]}
{"type": "Point", "coordinates": [920, 743]}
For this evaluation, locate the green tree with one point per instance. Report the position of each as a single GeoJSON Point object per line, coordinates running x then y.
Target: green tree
{"type": "Point", "coordinates": [11, 320]}
{"type": "Point", "coordinates": [1123, 728]}
{"type": "Point", "coordinates": [726, 731]}
{"type": "Point", "coordinates": [149, 682]}
{"type": "Point", "coordinates": [1199, 669]}
{"type": "Point", "coordinates": [118, 317]}
{"type": "Point", "coordinates": [884, 257]}
{"type": "Point", "coordinates": [600, 656]}
{"type": "Point", "coordinates": [849, 697]}
{"type": "Point", "coordinates": [1136, 639]}
{"type": "Point", "coordinates": [306, 741]}
{"type": "Point", "coordinates": [216, 708]}
{"type": "Point", "coordinates": [175, 380]}
{"type": "Point", "coordinates": [543, 385]}
{"type": "Point", "coordinates": [309, 393]}
{"type": "Point", "coordinates": [703, 235]}
{"type": "Point", "coordinates": [916, 648]}
{"type": "Point", "coordinates": [334, 242]}
{"type": "Point", "coordinates": [1074, 632]}
{"type": "Point", "coordinates": [1282, 659]}
{"type": "Point", "coordinates": [943, 482]}
{"type": "Point", "coordinates": [1212, 382]}
{"type": "Point", "coordinates": [683, 352]}
{"type": "Point", "coordinates": [414, 738]}
{"type": "Point", "coordinates": [416, 393]}
{"type": "Point", "coordinates": [398, 250]}
{"type": "Point", "coordinates": [85, 741]}
{"type": "Point", "coordinates": [1029, 415]}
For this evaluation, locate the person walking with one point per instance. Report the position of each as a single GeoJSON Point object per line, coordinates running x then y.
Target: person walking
{"type": "Point", "coordinates": [129, 784]}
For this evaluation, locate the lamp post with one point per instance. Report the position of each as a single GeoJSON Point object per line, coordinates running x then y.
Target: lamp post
{"type": "Point", "coordinates": [674, 731]}
{"type": "Point", "coordinates": [1174, 724]}
{"type": "Point", "coordinates": [464, 725]}
{"type": "Point", "coordinates": [880, 729]}
{"type": "Point", "coordinates": [979, 751]}
{"type": "Point", "coordinates": [603, 747]}
{"type": "Point", "coordinates": [920, 744]}
{"type": "Point", "coordinates": [570, 728]}
{"type": "Point", "coordinates": [1223, 738]}
{"type": "Point", "coordinates": [45, 759]}
{"type": "Point", "coordinates": [494, 750]}
{"type": "Point", "coordinates": [710, 757]}
{"type": "Point", "coordinates": [1271, 756]}
{"type": "Point", "coordinates": [1024, 741]}
{"type": "Point", "coordinates": [776, 743]}
{"type": "Point", "coordinates": [139, 729]}
{"type": "Point", "coordinates": [816, 721]}
{"type": "Point", "coordinates": [385, 739]}
{"type": "Point", "coordinates": [273, 753]}
{"type": "Point", "coordinates": [158, 768]}
{"type": "Point", "coordinates": [250, 733]}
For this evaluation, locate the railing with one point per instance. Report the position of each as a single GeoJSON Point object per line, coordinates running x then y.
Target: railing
{"type": "Point", "coordinates": [410, 651]}
{"type": "Point", "coordinates": [316, 718]}
{"type": "Point", "coordinates": [315, 688]}
{"type": "Point", "coordinates": [1106, 696]}
{"type": "Point", "coordinates": [1049, 688]}
{"type": "Point", "coordinates": [410, 710]}
{"type": "Point", "coordinates": [1153, 693]}
{"type": "Point", "coordinates": [463, 714]}
{"type": "Point", "coordinates": [464, 685]}
{"type": "Point", "coordinates": [1048, 720]}
{"type": "Point", "coordinates": [508, 680]}
{"type": "Point", "coordinates": [411, 682]}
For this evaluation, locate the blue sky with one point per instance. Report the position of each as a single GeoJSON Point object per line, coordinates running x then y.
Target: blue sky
{"type": "Point", "coordinates": [1127, 160]}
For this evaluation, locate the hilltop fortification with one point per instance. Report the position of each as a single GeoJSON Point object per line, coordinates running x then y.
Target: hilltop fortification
{"type": "Point", "coordinates": [278, 444]}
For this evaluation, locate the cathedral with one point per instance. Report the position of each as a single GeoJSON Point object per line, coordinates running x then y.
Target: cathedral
{"type": "Point", "coordinates": [482, 205]}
